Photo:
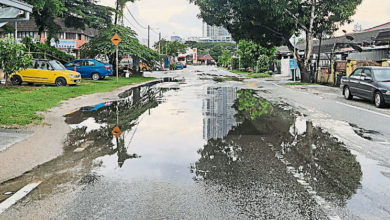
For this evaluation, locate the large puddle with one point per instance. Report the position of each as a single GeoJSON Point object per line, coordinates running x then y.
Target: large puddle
{"type": "Point", "coordinates": [221, 136]}
{"type": "Point", "coordinates": [257, 159]}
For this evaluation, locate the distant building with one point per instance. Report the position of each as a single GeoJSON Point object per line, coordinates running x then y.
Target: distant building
{"type": "Point", "coordinates": [69, 39]}
{"type": "Point", "coordinates": [176, 38]}
{"type": "Point", "coordinates": [213, 34]}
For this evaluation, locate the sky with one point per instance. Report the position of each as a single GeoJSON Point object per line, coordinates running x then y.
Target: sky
{"type": "Point", "coordinates": [179, 17]}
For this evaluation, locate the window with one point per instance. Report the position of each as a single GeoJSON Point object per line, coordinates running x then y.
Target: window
{"type": "Point", "coordinates": [42, 65]}
{"type": "Point", "coordinates": [368, 73]}
{"type": "Point", "coordinates": [90, 63]}
{"type": "Point", "coordinates": [357, 74]}
{"type": "Point", "coordinates": [78, 36]}
{"type": "Point", "coordinates": [71, 36]}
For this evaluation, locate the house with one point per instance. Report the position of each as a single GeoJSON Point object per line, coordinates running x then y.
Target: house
{"type": "Point", "coordinates": [69, 39]}
{"type": "Point", "coordinates": [369, 46]}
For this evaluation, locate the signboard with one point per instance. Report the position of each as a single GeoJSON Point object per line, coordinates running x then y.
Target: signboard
{"type": "Point", "coordinates": [195, 55]}
{"type": "Point", "coordinates": [64, 44]}
{"type": "Point", "coordinates": [116, 39]}
{"type": "Point", "coordinates": [293, 64]}
{"type": "Point", "coordinates": [117, 132]}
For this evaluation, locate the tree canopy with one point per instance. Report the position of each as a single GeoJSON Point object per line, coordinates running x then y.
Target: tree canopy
{"type": "Point", "coordinates": [76, 13]}
{"type": "Point", "coordinates": [170, 48]}
{"type": "Point", "coordinates": [271, 23]}
{"type": "Point", "coordinates": [129, 46]}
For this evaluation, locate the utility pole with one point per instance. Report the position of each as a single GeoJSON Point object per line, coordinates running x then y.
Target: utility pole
{"type": "Point", "coordinates": [159, 43]}
{"type": "Point", "coordinates": [148, 36]}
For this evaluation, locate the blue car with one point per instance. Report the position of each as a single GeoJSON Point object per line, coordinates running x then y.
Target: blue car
{"type": "Point", "coordinates": [90, 68]}
{"type": "Point", "coordinates": [179, 66]}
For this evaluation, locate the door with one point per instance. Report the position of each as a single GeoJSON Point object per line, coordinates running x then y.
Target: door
{"type": "Point", "coordinates": [354, 81]}
{"type": "Point", "coordinates": [366, 87]}
{"type": "Point", "coordinates": [40, 73]}
{"type": "Point", "coordinates": [78, 65]}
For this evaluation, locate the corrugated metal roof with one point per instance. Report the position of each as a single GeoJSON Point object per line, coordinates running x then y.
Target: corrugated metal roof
{"type": "Point", "coordinates": [30, 26]}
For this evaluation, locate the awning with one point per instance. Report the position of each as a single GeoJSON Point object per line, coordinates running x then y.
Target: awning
{"type": "Point", "coordinates": [8, 13]}
{"type": "Point", "coordinates": [383, 36]}
{"type": "Point", "coordinates": [11, 11]}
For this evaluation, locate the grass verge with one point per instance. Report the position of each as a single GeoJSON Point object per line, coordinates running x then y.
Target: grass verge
{"type": "Point", "coordinates": [252, 75]}
{"type": "Point", "coordinates": [19, 105]}
{"type": "Point", "coordinates": [238, 72]}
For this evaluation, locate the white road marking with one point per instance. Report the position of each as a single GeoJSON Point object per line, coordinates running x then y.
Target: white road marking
{"type": "Point", "coordinates": [276, 85]}
{"type": "Point", "coordinates": [18, 196]}
{"type": "Point", "coordinates": [363, 109]}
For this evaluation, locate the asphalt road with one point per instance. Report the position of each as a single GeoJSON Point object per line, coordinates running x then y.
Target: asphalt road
{"type": "Point", "coordinates": [208, 146]}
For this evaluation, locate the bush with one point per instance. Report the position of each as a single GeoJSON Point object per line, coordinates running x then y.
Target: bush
{"type": "Point", "coordinates": [235, 63]}
{"type": "Point", "coordinates": [172, 66]}
{"type": "Point", "coordinates": [262, 64]}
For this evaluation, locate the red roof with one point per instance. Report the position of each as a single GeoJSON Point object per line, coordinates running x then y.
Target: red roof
{"type": "Point", "coordinates": [206, 57]}
{"type": "Point", "coordinates": [382, 26]}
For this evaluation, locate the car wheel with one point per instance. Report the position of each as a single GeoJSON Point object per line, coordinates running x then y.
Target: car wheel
{"type": "Point", "coordinates": [95, 76]}
{"type": "Point", "coordinates": [61, 82]}
{"type": "Point", "coordinates": [16, 81]}
{"type": "Point", "coordinates": [347, 93]}
{"type": "Point", "coordinates": [379, 100]}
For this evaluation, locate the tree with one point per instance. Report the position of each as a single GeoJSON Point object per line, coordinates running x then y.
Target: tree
{"type": "Point", "coordinates": [101, 44]}
{"type": "Point", "coordinates": [249, 53]}
{"type": "Point", "coordinates": [13, 57]}
{"type": "Point", "coordinates": [76, 13]}
{"type": "Point", "coordinates": [170, 48]}
{"type": "Point", "coordinates": [120, 6]}
{"type": "Point", "coordinates": [205, 48]}
{"type": "Point", "coordinates": [271, 23]}
{"type": "Point", "coordinates": [216, 51]}
{"type": "Point", "coordinates": [225, 59]}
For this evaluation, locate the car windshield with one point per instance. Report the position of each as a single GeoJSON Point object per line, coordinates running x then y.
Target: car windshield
{"type": "Point", "coordinates": [382, 74]}
{"type": "Point", "coordinates": [57, 65]}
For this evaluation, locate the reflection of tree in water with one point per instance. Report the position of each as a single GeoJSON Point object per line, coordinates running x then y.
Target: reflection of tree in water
{"type": "Point", "coordinates": [327, 165]}
{"type": "Point", "coordinates": [140, 100]}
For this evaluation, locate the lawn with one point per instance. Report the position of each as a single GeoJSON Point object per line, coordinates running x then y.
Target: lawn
{"type": "Point", "coordinates": [18, 105]}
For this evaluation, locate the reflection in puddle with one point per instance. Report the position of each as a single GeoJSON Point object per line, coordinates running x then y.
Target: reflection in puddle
{"type": "Point", "coordinates": [264, 139]}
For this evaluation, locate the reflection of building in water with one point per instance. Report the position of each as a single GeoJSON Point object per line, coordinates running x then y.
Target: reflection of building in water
{"type": "Point", "coordinates": [218, 112]}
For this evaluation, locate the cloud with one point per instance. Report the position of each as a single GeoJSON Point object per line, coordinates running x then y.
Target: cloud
{"type": "Point", "coordinates": [170, 17]}
{"type": "Point", "coordinates": [179, 17]}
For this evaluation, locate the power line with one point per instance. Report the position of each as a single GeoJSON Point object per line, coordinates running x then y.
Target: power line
{"type": "Point", "coordinates": [135, 19]}
{"type": "Point", "coordinates": [135, 29]}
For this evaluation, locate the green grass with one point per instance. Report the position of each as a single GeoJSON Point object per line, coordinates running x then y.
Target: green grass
{"type": "Point", "coordinates": [251, 75]}
{"type": "Point", "coordinates": [259, 75]}
{"type": "Point", "coordinates": [300, 84]}
{"type": "Point", "coordinates": [238, 72]}
{"type": "Point", "coordinates": [19, 105]}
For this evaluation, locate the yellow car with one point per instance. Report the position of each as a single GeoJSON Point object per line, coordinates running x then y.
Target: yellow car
{"type": "Point", "coordinates": [48, 72]}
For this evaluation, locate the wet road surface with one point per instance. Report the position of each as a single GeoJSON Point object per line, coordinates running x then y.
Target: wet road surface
{"type": "Point", "coordinates": [202, 148]}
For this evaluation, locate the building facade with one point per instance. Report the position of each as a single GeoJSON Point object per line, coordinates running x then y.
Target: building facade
{"type": "Point", "coordinates": [70, 40]}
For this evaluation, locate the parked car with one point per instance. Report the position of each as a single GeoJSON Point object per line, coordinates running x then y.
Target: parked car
{"type": "Point", "coordinates": [46, 71]}
{"type": "Point", "coordinates": [90, 68]}
{"type": "Point", "coordinates": [179, 66]}
{"type": "Point", "coordinates": [144, 67]}
{"type": "Point", "coordinates": [126, 64]}
{"type": "Point", "coordinates": [371, 83]}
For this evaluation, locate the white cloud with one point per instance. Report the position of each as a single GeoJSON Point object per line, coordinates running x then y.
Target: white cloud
{"type": "Point", "coordinates": [170, 17]}
{"type": "Point", "coordinates": [179, 17]}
